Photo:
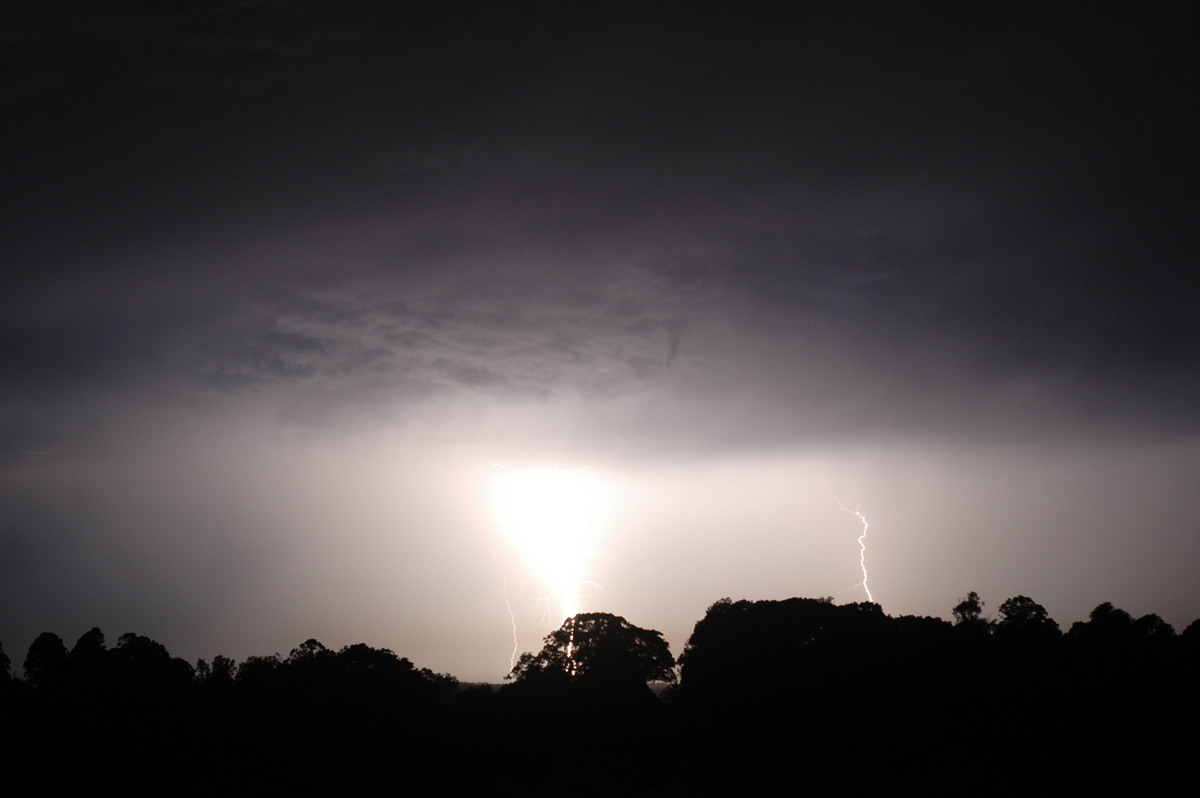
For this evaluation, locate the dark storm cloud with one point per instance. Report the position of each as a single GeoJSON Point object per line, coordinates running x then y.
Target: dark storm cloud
{"type": "Point", "coordinates": [525, 334]}
{"type": "Point", "coordinates": [238, 46]}
{"type": "Point", "coordinates": [914, 220]}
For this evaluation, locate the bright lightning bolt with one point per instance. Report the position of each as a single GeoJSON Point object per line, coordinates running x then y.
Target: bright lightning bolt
{"type": "Point", "coordinates": [550, 519]}
{"type": "Point", "coordinates": [862, 543]}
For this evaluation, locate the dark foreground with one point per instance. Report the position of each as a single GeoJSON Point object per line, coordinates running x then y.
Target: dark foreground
{"type": "Point", "coordinates": [796, 696]}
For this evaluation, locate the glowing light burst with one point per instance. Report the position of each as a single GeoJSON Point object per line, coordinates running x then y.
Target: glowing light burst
{"type": "Point", "coordinates": [551, 518]}
{"type": "Point", "coordinates": [862, 543]}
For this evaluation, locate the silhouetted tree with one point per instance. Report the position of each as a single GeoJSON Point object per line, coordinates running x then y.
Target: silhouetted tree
{"type": "Point", "coordinates": [737, 646]}
{"type": "Point", "coordinates": [89, 644]}
{"type": "Point", "coordinates": [598, 648]}
{"type": "Point", "coordinates": [219, 675]}
{"type": "Point", "coordinates": [761, 681]}
{"type": "Point", "coordinates": [46, 661]}
{"type": "Point", "coordinates": [1152, 627]}
{"type": "Point", "coordinates": [361, 659]}
{"type": "Point", "coordinates": [146, 665]}
{"type": "Point", "coordinates": [88, 664]}
{"type": "Point", "coordinates": [309, 651]}
{"type": "Point", "coordinates": [1192, 630]}
{"type": "Point", "coordinates": [1189, 641]}
{"type": "Point", "coordinates": [968, 614]}
{"type": "Point", "coordinates": [258, 672]}
{"type": "Point", "coordinates": [1022, 617]}
{"type": "Point", "coordinates": [10, 688]}
{"type": "Point", "coordinates": [1107, 626]}
{"type": "Point", "coordinates": [445, 686]}
{"type": "Point", "coordinates": [224, 670]}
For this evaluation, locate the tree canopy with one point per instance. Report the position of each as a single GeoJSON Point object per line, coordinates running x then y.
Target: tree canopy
{"type": "Point", "coordinates": [758, 681]}
{"type": "Point", "coordinates": [599, 647]}
{"type": "Point", "coordinates": [1023, 618]}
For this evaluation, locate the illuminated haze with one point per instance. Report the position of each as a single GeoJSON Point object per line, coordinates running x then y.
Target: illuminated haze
{"type": "Point", "coordinates": [285, 286]}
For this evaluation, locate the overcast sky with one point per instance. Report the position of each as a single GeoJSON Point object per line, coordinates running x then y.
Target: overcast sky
{"type": "Point", "coordinates": [287, 285]}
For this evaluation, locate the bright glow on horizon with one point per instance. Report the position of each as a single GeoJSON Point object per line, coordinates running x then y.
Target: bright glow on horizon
{"type": "Point", "coordinates": [551, 518]}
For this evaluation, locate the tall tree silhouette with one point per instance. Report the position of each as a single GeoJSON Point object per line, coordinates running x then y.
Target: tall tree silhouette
{"type": "Point", "coordinates": [968, 614]}
{"type": "Point", "coordinates": [1022, 618]}
{"type": "Point", "coordinates": [596, 648]}
{"type": "Point", "coordinates": [46, 662]}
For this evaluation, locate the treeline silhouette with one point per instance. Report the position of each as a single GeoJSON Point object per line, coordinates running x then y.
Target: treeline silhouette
{"type": "Point", "coordinates": [799, 694]}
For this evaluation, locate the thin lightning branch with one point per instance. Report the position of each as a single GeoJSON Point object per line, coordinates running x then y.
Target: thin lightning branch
{"type": "Point", "coordinates": [862, 553]}
{"type": "Point", "coordinates": [512, 618]}
{"type": "Point", "coordinates": [862, 543]}
{"type": "Point", "coordinates": [543, 598]}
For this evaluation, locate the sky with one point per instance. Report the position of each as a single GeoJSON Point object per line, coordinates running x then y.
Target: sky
{"type": "Point", "coordinates": [292, 290]}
